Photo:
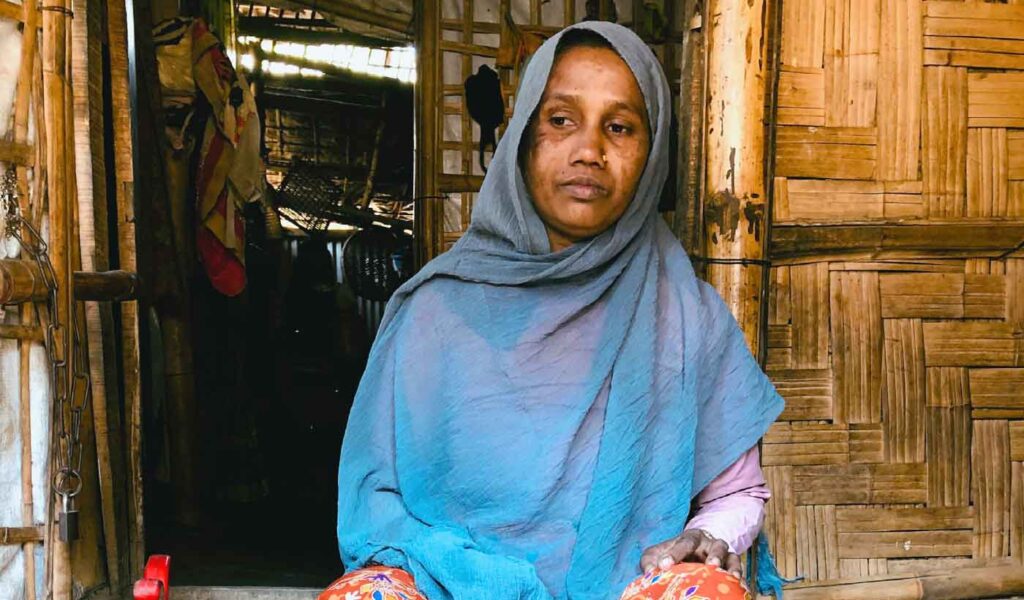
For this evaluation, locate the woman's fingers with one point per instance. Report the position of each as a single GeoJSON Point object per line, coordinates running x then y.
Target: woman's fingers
{"type": "Point", "coordinates": [685, 547]}
{"type": "Point", "coordinates": [653, 555]}
{"type": "Point", "coordinates": [734, 566]}
{"type": "Point", "coordinates": [717, 553]}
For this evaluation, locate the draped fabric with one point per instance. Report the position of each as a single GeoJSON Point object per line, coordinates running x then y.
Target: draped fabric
{"type": "Point", "coordinates": [530, 421]}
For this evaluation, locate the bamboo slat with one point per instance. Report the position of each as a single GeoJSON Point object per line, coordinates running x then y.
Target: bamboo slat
{"type": "Point", "coordinates": [973, 20]}
{"type": "Point", "coordinates": [826, 152]}
{"type": "Point", "coordinates": [857, 346]}
{"type": "Point", "coordinates": [934, 239]}
{"type": "Point", "coordinates": [1015, 154]}
{"type": "Point", "coordinates": [949, 455]}
{"type": "Point", "coordinates": [853, 519]}
{"type": "Point", "coordinates": [803, 28]}
{"type": "Point", "coordinates": [808, 393]}
{"type": "Point", "coordinates": [900, 73]}
{"type": "Point", "coordinates": [810, 332]}
{"type": "Point", "coordinates": [922, 295]}
{"type": "Point", "coordinates": [780, 522]}
{"type": "Point", "coordinates": [904, 544]}
{"type": "Point", "coordinates": [818, 542]}
{"type": "Point", "coordinates": [861, 484]}
{"type": "Point", "coordinates": [944, 141]}
{"type": "Point", "coordinates": [851, 62]}
{"type": "Point", "coordinates": [1015, 289]}
{"type": "Point", "coordinates": [867, 443]}
{"type": "Point", "coordinates": [1017, 511]}
{"type": "Point", "coordinates": [947, 584]}
{"type": "Point", "coordinates": [779, 299]}
{"type": "Point", "coordinates": [801, 99]}
{"type": "Point", "coordinates": [825, 200]}
{"type": "Point", "coordinates": [987, 172]}
{"type": "Point", "coordinates": [805, 444]}
{"type": "Point", "coordinates": [995, 391]}
{"type": "Point", "coordinates": [990, 488]}
{"type": "Point", "coordinates": [995, 99]}
{"type": "Point", "coordinates": [1016, 441]}
{"type": "Point", "coordinates": [904, 396]}
{"type": "Point", "coordinates": [947, 387]}
{"type": "Point", "coordinates": [978, 344]}
{"type": "Point", "coordinates": [984, 296]}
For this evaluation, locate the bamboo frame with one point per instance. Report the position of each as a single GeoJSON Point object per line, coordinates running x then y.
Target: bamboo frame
{"type": "Point", "coordinates": [55, 97]}
{"type": "Point", "coordinates": [117, 39]}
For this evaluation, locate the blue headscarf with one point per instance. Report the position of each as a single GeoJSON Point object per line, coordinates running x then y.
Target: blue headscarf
{"type": "Point", "coordinates": [529, 422]}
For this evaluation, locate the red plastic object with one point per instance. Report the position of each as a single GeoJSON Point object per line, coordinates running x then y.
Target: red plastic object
{"type": "Point", "coordinates": [155, 582]}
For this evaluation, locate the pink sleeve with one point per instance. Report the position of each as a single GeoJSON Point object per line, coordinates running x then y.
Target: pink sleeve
{"type": "Point", "coordinates": [731, 507]}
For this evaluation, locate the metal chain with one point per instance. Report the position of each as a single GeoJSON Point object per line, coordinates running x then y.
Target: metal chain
{"type": "Point", "coordinates": [72, 389]}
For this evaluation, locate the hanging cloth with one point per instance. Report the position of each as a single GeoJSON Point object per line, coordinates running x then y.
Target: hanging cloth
{"type": "Point", "coordinates": [230, 171]}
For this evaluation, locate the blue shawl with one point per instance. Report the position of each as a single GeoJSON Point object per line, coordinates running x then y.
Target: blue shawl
{"type": "Point", "coordinates": [529, 422]}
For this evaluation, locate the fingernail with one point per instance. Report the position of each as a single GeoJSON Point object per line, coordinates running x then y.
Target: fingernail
{"type": "Point", "coordinates": [714, 560]}
{"type": "Point", "coordinates": [666, 563]}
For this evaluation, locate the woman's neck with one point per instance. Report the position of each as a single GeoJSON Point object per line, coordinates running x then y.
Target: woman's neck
{"type": "Point", "coordinates": [558, 241]}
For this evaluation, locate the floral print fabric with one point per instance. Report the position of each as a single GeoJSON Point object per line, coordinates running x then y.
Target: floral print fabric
{"type": "Point", "coordinates": [687, 581]}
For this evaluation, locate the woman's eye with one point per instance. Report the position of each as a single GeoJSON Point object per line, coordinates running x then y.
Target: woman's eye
{"type": "Point", "coordinates": [619, 128]}
{"type": "Point", "coordinates": [559, 121]}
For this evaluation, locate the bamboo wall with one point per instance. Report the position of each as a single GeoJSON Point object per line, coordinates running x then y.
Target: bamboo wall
{"type": "Point", "coordinates": [896, 312]}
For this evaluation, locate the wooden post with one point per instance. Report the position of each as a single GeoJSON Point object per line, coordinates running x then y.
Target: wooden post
{"type": "Point", "coordinates": [735, 191]}
{"type": "Point", "coordinates": [429, 224]}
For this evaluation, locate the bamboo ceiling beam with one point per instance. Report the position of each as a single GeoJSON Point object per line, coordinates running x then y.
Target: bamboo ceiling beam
{"type": "Point", "coordinates": [340, 11]}
{"type": "Point", "coordinates": [271, 29]}
{"type": "Point", "coordinates": [346, 9]}
{"type": "Point", "coordinates": [735, 191]}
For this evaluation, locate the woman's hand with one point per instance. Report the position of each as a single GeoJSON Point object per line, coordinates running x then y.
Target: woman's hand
{"type": "Point", "coordinates": [694, 545]}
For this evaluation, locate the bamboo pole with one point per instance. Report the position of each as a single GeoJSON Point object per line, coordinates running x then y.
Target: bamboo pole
{"type": "Point", "coordinates": [117, 39]}
{"type": "Point", "coordinates": [429, 225]}
{"type": "Point", "coordinates": [90, 177]}
{"type": "Point", "coordinates": [54, 58]}
{"type": "Point", "coordinates": [29, 41]}
{"type": "Point", "coordinates": [735, 193]}
{"type": "Point", "coordinates": [22, 102]}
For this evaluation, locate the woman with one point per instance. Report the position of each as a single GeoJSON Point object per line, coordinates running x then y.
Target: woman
{"type": "Point", "coordinates": [544, 401]}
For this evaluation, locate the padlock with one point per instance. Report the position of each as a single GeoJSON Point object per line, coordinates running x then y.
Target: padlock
{"type": "Point", "coordinates": [67, 523]}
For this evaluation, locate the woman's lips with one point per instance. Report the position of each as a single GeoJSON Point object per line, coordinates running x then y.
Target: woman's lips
{"type": "Point", "coordinates": [584, 188]}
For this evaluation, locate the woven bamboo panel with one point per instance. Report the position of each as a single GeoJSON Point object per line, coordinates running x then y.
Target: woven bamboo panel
{"type": "Point", "coordinates": [901, 448]}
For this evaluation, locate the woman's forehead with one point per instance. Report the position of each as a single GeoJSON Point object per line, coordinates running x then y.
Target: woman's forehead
{"type": "Point", "coordinates": [594, 74]}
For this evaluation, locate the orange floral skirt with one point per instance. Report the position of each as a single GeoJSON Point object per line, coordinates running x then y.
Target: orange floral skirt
{"type": "Point", "coordinates": [687, 581]}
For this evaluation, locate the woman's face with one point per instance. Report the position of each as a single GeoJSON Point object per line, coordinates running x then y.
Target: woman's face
{"type": "Point", "coordinates": [587, 145]}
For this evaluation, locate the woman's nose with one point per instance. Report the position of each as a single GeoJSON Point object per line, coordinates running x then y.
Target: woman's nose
{"type": "Point", "coordinates": [589, 147]}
